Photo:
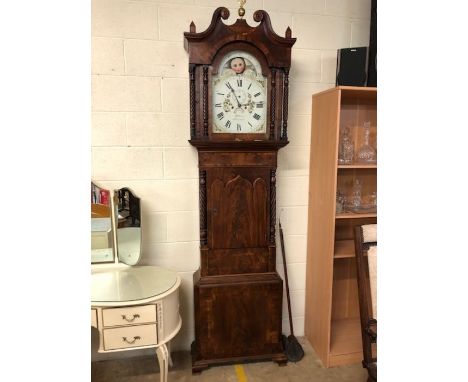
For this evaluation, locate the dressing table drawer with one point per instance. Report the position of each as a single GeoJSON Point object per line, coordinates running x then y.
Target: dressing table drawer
{"type": "Point", "coordinates": [129, 315]}
{"type": "Point", "coordinates": [131, 336]}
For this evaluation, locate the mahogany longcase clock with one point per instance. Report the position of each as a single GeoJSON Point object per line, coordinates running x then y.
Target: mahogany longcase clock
{"type": "Point", "coordinates": [239, 78]}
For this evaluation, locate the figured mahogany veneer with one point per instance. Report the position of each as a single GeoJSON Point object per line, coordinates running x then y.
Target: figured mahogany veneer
{"type": "Point", "coordinates": [237, 292]}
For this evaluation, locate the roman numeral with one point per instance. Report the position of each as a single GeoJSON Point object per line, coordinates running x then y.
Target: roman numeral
{"type": "Point", "coordinates": [256, 116]}
{"type": "Point", "coordinates": [260, 104]}
{"type": "Point", "coordinates": [257, 94]}
{"type": "Point", "coordinates": [239, 82]}
{"type": "Point", "coordinates": [250, 124]}
{"type": "Point", "coordinates": [229, 86]}
{"type": "Point", "coordinates": [218, 105]}
{"type": "Point", "coordinates": [239, 128]}
{"type": "Point", "coordinates": [220, 115]}
{"type": "Point", "coordinates": [249, 86]}
{"type": "Point", "coordinates": [220, 93]}
{"type": "Point", "coordinates": [228, 124]}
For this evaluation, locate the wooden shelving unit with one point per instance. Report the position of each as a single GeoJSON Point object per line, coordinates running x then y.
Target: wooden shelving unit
{"type": "Point", "coordinates": [332, 308]}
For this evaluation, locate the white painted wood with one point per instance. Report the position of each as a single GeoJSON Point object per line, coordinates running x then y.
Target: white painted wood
{"type": "Point", "coordinates": [130, 337]}
{"type": "Point", "coordinates": [131, 315]}
{"type": "Point", "coordinates": [150, 321]}
{"type": "Point", "coordinates": [93, 318]}
{"type": "Point", "coordinates": [162, 354]}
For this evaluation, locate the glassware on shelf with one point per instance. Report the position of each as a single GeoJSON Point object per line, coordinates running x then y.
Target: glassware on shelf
{"type": "Point", "coordinates": [346, 148]}
{"type": "Point", "coordinates": [373, 200]}
{"type": "Point", "coordinates": [366, 153]}
{"type": "Point", "coordinates": [340, 202]}
{"type": "Point", "coordinates": [368, 203]}
{"type": "Point", "coordinates": [354, 201]}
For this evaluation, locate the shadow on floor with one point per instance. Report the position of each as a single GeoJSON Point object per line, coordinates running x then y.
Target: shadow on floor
{"type": "Point", "coordinates": [145, 369]}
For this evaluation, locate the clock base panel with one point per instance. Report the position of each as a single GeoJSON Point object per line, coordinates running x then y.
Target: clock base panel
{"type": "Point", "coordinates": [199, 366]}
{"type": "Point", "coordinates": [238, 318]}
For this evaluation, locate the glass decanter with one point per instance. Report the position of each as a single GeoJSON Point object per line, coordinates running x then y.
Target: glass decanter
{"type": "Point", "coordinates": [366, 153]}
{"type": "Point", "coordinates": [346, 148]}
{"type": "Point", "coordinates": [354, 201]}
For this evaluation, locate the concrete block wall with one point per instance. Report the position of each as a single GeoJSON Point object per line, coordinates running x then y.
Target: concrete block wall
{"type": "Point", "coordinates": [140, 121]}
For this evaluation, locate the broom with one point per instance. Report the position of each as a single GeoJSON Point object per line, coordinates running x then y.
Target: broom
{"type": "Point", "coordinates": [292, 347]}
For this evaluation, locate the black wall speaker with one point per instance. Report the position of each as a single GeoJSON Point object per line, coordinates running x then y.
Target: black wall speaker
{"type": "Point", "coordinates": [351, 66]}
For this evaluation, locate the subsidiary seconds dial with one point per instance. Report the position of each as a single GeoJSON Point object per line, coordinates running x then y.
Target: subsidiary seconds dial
{"type": "Point", "coordinates": [239, 105]}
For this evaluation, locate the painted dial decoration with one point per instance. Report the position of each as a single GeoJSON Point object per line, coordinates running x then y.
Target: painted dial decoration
{"type": "Point", "coordinates": [239, 103]}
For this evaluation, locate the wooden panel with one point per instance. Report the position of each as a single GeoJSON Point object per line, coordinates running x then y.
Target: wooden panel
{"type": "Point", "coordinates": [359, 93]}
{"type": "Point", "coordinates": [238, 208]}
{"type": "Point", "coordinates": [237, 159]}
{"type": "Point", "coordinates": [239, 319]}
{"type": "Point", "coordinates": [345, 302]}
{"type": "Point", "coordinates": [321, 220]}
{"type": "Point", "coordinates": [345, 359]}
{"type": "Point", "coordinates": [234, 261]}
{"type": "Point", "coordinates": [352, 92]}
{"type": "Point", "coordinates": [344, 249]}
{"type": "Point", "coordinates": [346, 342]}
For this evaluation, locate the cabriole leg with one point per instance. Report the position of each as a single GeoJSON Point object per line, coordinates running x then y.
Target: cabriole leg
{"type": "Point", "coordinates": [161, 352]}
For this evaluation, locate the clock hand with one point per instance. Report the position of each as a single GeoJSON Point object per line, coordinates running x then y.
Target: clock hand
{"type": "Point", "coordinates": [233, 92]}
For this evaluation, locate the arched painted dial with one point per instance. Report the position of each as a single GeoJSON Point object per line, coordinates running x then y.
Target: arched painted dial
{"type": "Point", "coordinates": [239, 105]}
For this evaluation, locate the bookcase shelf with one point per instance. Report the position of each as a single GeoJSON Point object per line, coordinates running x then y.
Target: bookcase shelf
{"type": "Point", "coordinates": [351, 215]}
{"type": "Point", "coordinates": [349, 166]}
{"type": "Point", "coordinates": [344, 249]}
{"type": "Point", "coordinates": [345, 342]}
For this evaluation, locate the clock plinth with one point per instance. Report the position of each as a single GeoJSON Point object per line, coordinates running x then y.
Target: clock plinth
{"type": "Point", "coordinates": [239, 84]}
{"type": "Point", "coordinates": [237, 319]}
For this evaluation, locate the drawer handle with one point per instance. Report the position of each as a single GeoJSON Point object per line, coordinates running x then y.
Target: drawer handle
{"type": "Point", "coordinates": [124, 317]}
{"type": "Point", "coordinates": [131, 342]}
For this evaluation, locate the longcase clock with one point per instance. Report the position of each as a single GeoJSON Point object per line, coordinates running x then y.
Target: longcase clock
{"type": "Point", "coordinates": [239, 81]}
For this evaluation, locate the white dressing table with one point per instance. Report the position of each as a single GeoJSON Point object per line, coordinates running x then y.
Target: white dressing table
{"type": "Point", "coordinates": [135, 307]}
{"type": "Point", "coordinates": [132, 307]}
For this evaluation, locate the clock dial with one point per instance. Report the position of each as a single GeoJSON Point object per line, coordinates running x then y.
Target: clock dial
{"type": "Point", "coordinates": [239, 102]}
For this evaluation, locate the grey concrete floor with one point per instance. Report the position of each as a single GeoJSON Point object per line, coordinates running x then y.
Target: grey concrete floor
{"type": "Point", "coordinates": [145, 369]}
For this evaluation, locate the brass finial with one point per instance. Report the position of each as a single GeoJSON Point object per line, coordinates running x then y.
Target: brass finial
{"type": "Point", "coordinates": [241, 8]}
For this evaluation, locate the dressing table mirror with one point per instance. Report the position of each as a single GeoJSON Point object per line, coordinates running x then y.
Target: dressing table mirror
{"type": "Point", "coordinates": [128, 232]}
{"type": "Point", "coordinates": [132, 306]}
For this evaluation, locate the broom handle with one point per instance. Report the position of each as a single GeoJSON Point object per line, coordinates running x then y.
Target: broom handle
{"type": "Point", "coordinates": [286, 278]}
